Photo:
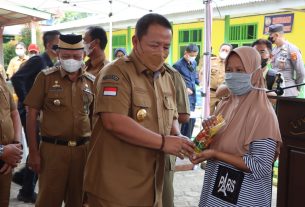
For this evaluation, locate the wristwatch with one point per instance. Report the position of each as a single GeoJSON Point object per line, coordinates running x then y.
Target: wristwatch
{"type": "Point", "coordinates": [1, 150]}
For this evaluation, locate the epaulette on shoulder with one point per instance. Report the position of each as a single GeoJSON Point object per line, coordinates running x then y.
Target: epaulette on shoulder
{"type": "Point", "coordinates": [89, 76]}
{"type": "Point", "coordinates": [167, 66]}
{"type": "Point", "coordinates": [51, 70]}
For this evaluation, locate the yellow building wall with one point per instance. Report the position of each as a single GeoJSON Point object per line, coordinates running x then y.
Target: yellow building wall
{"type": "Point", "coordinates": [295, 37]}
{"type": "Point", "coordinates": [118, 32]}
{"type": "Point", "coordinates": [217, 36]}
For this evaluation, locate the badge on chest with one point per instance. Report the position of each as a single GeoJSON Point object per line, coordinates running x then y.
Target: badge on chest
{"type": "Point", "coordinates": [141, 115]}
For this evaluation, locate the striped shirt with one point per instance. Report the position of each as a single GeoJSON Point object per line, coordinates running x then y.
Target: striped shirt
{"type": "Point", "coordinates": [256, 187]}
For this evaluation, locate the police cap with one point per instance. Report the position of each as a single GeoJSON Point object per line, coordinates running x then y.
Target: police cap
{"type": "Point", "coordinates": [276, 28]}
{"type": "Point", "coordinates": [70, 42]}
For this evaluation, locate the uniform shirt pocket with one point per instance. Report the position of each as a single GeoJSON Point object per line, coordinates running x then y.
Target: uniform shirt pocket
{"type": "Point", "coordinates": [55, 101]}
{"type": "Point", "coordinates": [4, 99]}
{"type": "Point", "coordinates": [141, 107]}
{"type": "Point", "coordinates": [87, 100]}
{"type": "Point", "coordinates": [169, 110]}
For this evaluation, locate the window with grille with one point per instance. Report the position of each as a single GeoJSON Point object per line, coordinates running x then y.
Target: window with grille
{"type": "Point", "coordinates": [187, 37]}
{"type": "Point", "coordinates": [241, 35]}
{"type": "Point", "coordinates": [117, 42]}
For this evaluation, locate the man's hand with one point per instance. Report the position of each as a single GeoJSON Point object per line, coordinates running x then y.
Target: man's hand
{"type": "Point", "coordinates": [179, 146]}
{"type": "Point", "coordinates": [189, 91]}
{"type": "Point", "coordinates": [6, 169]}
{"type": "Point", "coordinates": [12, 154]}
{"type": "Point", "coordinates": [34, 161]}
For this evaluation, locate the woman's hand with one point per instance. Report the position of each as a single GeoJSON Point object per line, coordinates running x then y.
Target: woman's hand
{"type": "Point", "coordinates": [208, 122]}
{"type": "Point", "coordinates": [202, 156]}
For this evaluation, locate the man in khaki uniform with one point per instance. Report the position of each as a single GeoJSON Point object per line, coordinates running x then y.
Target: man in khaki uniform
{"type": "Point", "coordinates": [64, 95]}
{"type": "Point", "coordinates": [136, 108]}
{"type": "Point", "coordinates": [95, 41]}
{"type": "Point", "coordinates": [183, 109]}
{"type": "Point", "coordinates": [2, 72]}
{"type": "Point", "coordinates": [10, 147]}
{"type": "Point", "coordinates": [15, 62]}
{"type": "Point", "coordinates": [218, 73]}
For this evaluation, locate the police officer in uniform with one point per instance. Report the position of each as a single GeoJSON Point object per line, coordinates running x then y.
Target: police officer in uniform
{"type": "Point", "coordinates": [95, 41]}
{"type": "Point", "coordinates": [287, 59]}
{"type": "Point", "coordinates": [10, 147]}
{"type": "Point", "coordinates": [64, 95]}
{"type": "Point", "coordinates": [136, 107]}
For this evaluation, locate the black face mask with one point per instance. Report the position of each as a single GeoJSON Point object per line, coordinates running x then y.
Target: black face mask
{"type": "Point", "coordinates": [54, 47]}
{"type": "Point", "coordinates": [264, 62]}
{"type": "Point", "coordinates": [271, 39]}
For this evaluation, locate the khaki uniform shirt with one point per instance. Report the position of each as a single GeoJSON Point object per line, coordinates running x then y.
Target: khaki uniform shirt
{"type": "Point", "coordinates": [94, 66]}
{"type": "Point", "coordinates": [117, 171]}
{"type": "Point", "coordinates": [217, 72]}
{"type": "Point", "coordinates": [65, 104]}
{"type": "Point", "coordinates": [7, 105]}
{"type": "Point", "coordinates": [14, 65]}
{"type": "Point", "coordinates": [183, 104]}
{"type": "Point", "coordinates": [2, 72]}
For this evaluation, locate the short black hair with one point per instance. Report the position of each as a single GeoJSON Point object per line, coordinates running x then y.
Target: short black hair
{"type": "Point", "coordinates": [227, 44]}
{"type": "Point", "coordinates": [192, 48]}
{"type": "Point", "coordinates": [49, 36]}
{"type": "Point", "coordinates": [97, 32]}
{"type": "Point", "coordinates": [149, 19]}
{"type": "Point", "coordinates": [263, 42]}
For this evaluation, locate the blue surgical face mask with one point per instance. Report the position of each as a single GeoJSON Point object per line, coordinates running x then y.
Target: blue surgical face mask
{"type": "Point", "coordinates": [238, 83]}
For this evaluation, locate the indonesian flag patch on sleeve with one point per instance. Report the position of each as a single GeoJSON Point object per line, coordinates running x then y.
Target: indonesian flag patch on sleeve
{"type": "Point", "coordinates": [110, 91]}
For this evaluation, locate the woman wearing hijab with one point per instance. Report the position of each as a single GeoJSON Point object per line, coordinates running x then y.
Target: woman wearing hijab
{"type": "Point", "coordinates": [240, 158]}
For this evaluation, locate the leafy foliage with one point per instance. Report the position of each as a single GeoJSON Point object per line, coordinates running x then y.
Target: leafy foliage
{"type": "Point", "coordinates": [70, 16]}
{"type": "Point", "coordinates": [9, 47]}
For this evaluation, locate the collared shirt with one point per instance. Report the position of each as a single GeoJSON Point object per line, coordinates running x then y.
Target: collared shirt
{"type": "Point", "coordinates": [24, 78]}
{"type": "Point", "coordinates": [217, 72]}
{"type": "Point", "coordinates": [7, 105]}
{"type": "Point", "coordinates": [14, 65]}
{"type": "Point", "coordinates": [94, 66]}
{"type": "Point", "coordinates": [2, 72]}
{"type": "Point", "coordinates": [183, 104]}
{"type": "Point", "coordinates": [117, 171]}
{"type": "Point", "coordinates": [287, 59]}
{"type": "Point", "coordinates": [65, 104]}
{"type": "Point", "coordinates": [190, 76]}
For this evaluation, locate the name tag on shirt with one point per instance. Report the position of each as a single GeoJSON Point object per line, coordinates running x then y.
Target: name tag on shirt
{"type": "Point", "coordinates": [227, 185]}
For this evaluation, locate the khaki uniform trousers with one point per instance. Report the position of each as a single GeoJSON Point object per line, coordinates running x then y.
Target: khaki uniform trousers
{"type": "Point", "coordinates": [94, 201]}
{"type": "Point", "coordinates": [5, 187]}
{"type": "Point", "coordinates": [168, 188]}
{"type": "Point", "coordinates": [213, 101]}
{"type": "Point", "coordinates": [61, 177]}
